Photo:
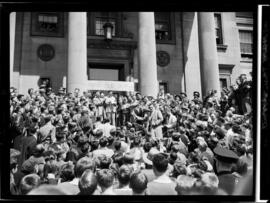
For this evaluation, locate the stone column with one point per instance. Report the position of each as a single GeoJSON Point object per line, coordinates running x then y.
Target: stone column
{"type": "Point", "coordinates": [12, 29]}
{"type": "Point", "coordinates": [147, 54]}
{"type": "Point", "coordinates": [208, 53]}
{"type": "Point", "coordinates": [77, 51]}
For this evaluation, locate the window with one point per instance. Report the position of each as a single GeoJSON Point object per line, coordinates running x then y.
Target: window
{"type": "Point", "coordinates": [99, 25]}
{"type": "Point", "coordinates": [49, 24]}
{"type": "Point", "coordinates": [218, 28]}
{"type": "Point", "coordinates": [246, 39]}
{"type": "Point", "coordinates": [163, 26]}
{"type": "Point", "coordinates": [96, 20]}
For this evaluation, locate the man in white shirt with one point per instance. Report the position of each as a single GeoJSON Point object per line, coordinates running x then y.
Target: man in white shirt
{"type": "Point", "coordinates": [171, 122]}
{"type": "Point", "coordinates": [111, 106]}
{"type": "Point", "coordinates": [155, 120]}
{"type": "Point", "coordinates": [98, 101]}
{"type": "Point", "coordinates": [106, 127]}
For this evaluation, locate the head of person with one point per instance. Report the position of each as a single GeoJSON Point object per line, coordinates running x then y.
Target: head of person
{"type": "Point", "coordinates": [185, 184]}
{"type": "Point", "coordinates": [87, 183]}
{"type": "Point", "coordinates": [124, 175]}
{"type": "Point", "coordinates": [209, 183]}
{"type": "Point", "coordinates": [104, 162]}
{"type": "Point", "coordinates": [30, 91]}
{"type": "Point", "coordinates": [106, 120]}
{"type": "Point", "coordinates": [103, 142]}
{"type": "Point", "coordinates": [128, 158]}
{"type": "Point", "coordinates": [83, 164]}
{"type": "Point", "coordinates": [67, 172]}
{"type": "Point", "coordinates": [28, 183]}
{"type": "Point", "coordinates": [179, 169]}
{"type": "Point", "coordinates": [138, 183]}
{"type": "Point", "coordinates": [147, 146]}
{"type": "Point", "coordinates": [105, 178]}
{"type": "Point", "coordinates": [110, 94]}
{"type": "Point", "coordinates": [160, 164]}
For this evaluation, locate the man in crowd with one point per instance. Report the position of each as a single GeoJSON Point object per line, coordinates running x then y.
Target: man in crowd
{"type": "Point", "coordinates": [169, 145]}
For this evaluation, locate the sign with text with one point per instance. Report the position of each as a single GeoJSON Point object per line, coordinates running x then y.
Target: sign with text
{"type": "Point", "coordinates": [110, 85]}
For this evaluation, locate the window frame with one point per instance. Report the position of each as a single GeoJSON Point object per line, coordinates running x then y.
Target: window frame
{"type": "Point", "coordinates": [244, 55]}
{"type": "Point", "coordinates": [171, 25]}
{"type": "Point", "coordinates": [34, 30]}
{"type": "Point", "coordinates": [91, 24]}
{"type": "Point", "coordinates": [220, 19]}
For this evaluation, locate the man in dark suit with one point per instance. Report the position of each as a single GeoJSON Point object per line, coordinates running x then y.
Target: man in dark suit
{"type": "Point", "coordinates": [223, 165]}
{"type": "Point", "coordinates": [28, 143]}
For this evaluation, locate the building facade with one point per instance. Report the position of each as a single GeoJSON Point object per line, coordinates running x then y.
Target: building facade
{"type": "Point", "coordinates": [176, 51]}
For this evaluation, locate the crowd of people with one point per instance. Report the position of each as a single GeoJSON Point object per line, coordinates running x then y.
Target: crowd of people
{"type": "Point", "coordinates": [93, 143]}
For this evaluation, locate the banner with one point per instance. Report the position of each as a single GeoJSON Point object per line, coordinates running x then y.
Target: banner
{"type": "Point", "coordinates": [110, 85]}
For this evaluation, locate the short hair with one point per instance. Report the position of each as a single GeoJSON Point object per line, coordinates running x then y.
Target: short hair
{"type": "Point", "coordinates": [106, 120]}
{"type": "Point", "coordinates": [50, 167]}
{"type": "Point", "coordinates": [124, 174]}
{"type": "Point", "coordinates": [87, 182]}
{"type": "Point", "coordinates": [118, 159]}
{"type": "Point", "coordinates": [104, 161]}
{"type": "Point", "coordinates": [209, 183]}
{"type": "Point", "coordinates": [28, 183]}
{"type": "Point", "coordinates": [67, 172]}
{"type": "Point", "coordinates": [83, 164]}
{"type": "Point", "coordinates": [179, 169]}
{"type": "Point", "coordinates": [103, 141]}
{"type": "Point", "coordinates": [136, 141]}
{"type": "Point", "coordinates": [160, 162]}
{"type": "Point", "coordinates": [94, 145]}
{"type": "Point", "coordinates": [128, 158]}
{"type": "Point", "coordinates": [147, 146]}
{"type": "Point", "coordinates": [105, 178]}
{"type": "Point", "coordinates": [138, 182]}
{"type": "Point", "coordinates": [110, 140]}
{"type": "Point", "coordinates": [184, 183]}
{"type": "Point", "coordinates": [117, 145]}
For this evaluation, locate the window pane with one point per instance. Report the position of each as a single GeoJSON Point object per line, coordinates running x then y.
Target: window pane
{"type": "Point", "coordinates": [162, 26]}
{"type": "Point", "coordinates": [218, 28]}
{"type": "Point", "coordinates": [101, 21]}
{"type": "Point", "coordinates": [246, 41]}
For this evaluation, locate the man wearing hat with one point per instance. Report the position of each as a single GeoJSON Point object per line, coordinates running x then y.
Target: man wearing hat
{"type": "Point", "coordinates": [223, 165]}
{"type": "Point", "coordinates": [196, 98]}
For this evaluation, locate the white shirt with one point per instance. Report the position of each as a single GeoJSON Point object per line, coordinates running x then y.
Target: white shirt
{"type": "Point", "coordinates": [106, 128]}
